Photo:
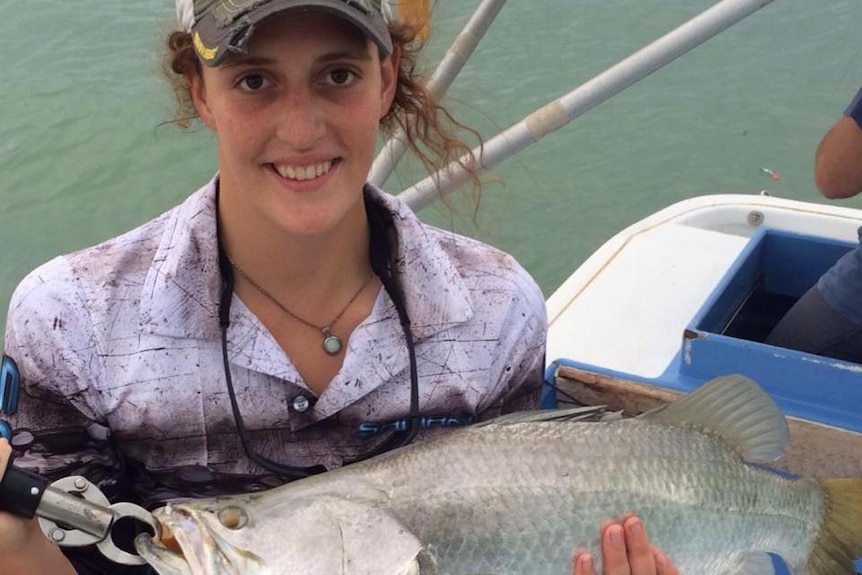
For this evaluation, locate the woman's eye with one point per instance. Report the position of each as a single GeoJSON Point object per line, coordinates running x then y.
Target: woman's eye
{"type": "Point", "coordinates": [341, 77]}
{"type": "Point", "coordinates": [252, 82]}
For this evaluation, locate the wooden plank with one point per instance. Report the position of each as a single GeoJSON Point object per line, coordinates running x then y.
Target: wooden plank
{"type": "Point", "coordinates": [814, 449]}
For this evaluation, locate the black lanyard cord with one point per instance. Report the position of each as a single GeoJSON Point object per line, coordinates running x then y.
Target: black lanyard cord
{"type": "Point", "coordinates": [290, 471]}
{"type": "Point", "coordinates": [399, 439]}
{"type": "Point", "coordinates": [383, 242]}
{"type": "Point", "coordinates": [383, 237]}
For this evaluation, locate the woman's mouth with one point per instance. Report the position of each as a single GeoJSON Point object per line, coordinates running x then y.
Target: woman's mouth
{"type": "Point", "coordinates": [303, 173]}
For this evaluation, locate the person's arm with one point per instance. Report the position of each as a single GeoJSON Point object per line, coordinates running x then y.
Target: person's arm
{"type": "Point", "coordinates": [24, 549]}
{"type": "Point", "coordinates": [838, 159]}
{"type": "Point", "coordinates": [56, 432]}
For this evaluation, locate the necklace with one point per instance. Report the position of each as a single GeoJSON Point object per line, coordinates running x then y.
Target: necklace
{"type": "Point", "coordinates": [331, 342]}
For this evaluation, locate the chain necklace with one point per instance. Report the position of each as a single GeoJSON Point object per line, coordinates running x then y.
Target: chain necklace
{"type": "Point", "coordinates": [331, 342]}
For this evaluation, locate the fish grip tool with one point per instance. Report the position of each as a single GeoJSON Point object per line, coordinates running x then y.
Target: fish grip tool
{"type": "Point", "coordinates": [71, 511]}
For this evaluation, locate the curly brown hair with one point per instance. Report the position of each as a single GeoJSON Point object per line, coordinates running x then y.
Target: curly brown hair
{"type": "Point", "coordinates": [430, 131]}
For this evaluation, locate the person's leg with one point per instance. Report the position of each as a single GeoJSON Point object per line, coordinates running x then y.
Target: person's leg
{"type": "Point", "coordinates": [814, 327]}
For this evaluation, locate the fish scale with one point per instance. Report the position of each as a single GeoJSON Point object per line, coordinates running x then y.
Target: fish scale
{"type": "Point", "coordinates": [558, 494]}
{"type": "Point", "coordinates": [516, 495]}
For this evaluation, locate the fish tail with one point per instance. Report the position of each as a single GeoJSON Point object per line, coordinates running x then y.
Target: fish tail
{"type": "Point", "coordinates": [840, 537]}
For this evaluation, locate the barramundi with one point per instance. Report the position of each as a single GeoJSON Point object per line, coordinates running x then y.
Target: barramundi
{"type": "Point", "coordinates": [516, 495]}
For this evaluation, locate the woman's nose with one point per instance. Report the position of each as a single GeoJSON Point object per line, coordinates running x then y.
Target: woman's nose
{"type": "Point", "coordinates": [301, 121]}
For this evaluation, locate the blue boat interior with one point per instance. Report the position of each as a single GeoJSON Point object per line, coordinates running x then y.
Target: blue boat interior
{"type": "Point", "coordinates": [727, 334]}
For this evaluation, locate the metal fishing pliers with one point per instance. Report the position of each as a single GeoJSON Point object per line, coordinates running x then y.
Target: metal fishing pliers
{"type": "Point", "coordinates": [72, 511]}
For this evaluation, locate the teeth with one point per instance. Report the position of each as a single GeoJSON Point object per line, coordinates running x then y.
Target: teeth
{"type": "Point", "coordinates": [300, 173]}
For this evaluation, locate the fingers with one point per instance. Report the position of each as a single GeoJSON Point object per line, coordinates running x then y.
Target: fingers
{"type": "Point", "coordinates": [619, 520]}
{"type": "Point", "coordinates": [638, 548]}
{"type": "Point", "coordinates": [663, 564]}
{"type": "Point", "coordinates": [626, 550]}
{"type": "Point", "coordinates": [615, 559]}
{"type": "Point", "coordinates": [583, 564]}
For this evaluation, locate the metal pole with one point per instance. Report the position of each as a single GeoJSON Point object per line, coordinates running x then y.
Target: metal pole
{"type": "Point", "coordinates": [560, 112]}
{"type": "Point", "coordinates": [457, 55]}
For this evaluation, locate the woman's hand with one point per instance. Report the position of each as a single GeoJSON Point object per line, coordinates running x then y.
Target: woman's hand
{"type": "Point", "coordinates": [24, 550]}
{"type": "Point", "coordinates": [626, 550]}
{"type": "Point", "coordinates": [15, 532]}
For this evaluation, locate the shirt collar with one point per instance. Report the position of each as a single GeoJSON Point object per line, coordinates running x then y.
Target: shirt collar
{"type": "Point", "coordinates": [434, 290]}
{"type": "Point", "coordinates": [183, 285]}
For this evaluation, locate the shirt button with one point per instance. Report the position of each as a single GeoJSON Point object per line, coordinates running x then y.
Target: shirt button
{"type": "Point", "coordinates": [301, 404]}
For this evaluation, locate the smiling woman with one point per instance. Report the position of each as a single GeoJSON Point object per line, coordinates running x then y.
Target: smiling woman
{"type": "Point", "coordinates": [254, 333]}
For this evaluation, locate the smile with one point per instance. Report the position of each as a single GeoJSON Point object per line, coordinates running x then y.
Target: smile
{"type": "Point", "coordinates": [301, 173]}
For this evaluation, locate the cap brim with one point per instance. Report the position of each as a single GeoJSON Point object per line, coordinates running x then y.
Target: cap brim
{"type": "Point", "coordinates": [215, 40]}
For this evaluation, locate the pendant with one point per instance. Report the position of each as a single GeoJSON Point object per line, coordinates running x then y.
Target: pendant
{"type": "Point", "coordinates": [331, 343]}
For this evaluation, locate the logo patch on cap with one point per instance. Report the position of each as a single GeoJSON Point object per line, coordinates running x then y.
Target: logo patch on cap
{"type": "Point", "coordinates": [205, 52]}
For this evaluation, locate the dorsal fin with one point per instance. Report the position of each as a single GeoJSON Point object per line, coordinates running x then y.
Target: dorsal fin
{"type": "Point", "coordinates": [581, 413]}
{"type": "Point", "coordinates": [735, 407]}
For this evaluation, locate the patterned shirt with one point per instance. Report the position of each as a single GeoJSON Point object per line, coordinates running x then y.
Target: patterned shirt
{"type": "Point", "coordinates": [122, 370]}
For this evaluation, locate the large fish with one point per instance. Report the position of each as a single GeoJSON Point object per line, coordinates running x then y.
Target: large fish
{"type": "Point", "coordinates": [513, 496]}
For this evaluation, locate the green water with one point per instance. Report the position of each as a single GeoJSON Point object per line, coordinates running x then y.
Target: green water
{"type": "Point", "coordinates": [83, 156]}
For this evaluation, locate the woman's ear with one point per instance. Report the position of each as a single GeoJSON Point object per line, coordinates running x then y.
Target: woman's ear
{"type": "Point", "coordinates": [389, 66]}
{"type": "Point", "coordinates": [198, 91]}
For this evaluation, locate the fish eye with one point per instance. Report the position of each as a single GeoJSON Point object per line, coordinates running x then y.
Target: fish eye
{"type": "Point", "coordinates": [233, 517]}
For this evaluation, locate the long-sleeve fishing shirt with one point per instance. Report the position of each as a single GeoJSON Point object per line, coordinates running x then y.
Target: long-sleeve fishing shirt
{"type": "Point", "coordinates": [123, 380]}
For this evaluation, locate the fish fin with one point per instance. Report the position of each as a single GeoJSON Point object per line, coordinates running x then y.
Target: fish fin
{"type": "Point", "coordinates": [738, 409]}
{"type": "Point", "coordinates": [351, 522]}
{"type": "Point", "coordinates": [582, 413]}
{"type": "Point", "coordinates": [840, 538]}
{"type": "Point", "coordinates": [755, 563]}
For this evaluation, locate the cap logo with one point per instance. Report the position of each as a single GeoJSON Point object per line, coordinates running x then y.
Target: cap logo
{"type": "Point", "coordinates": [228, 11]}
{"type": "Point", "coordinates": [205, 52]}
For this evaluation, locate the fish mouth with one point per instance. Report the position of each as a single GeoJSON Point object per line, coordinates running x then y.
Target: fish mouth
{"type": "Point", "coordinates": [188, 545]}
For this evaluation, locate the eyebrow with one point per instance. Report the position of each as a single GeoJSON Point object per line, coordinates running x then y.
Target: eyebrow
{"type": "Point", "coordinates": [246, 60]}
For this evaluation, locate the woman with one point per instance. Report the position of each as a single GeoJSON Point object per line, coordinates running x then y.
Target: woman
{"type": "Point", "coordinates": [287, 317]}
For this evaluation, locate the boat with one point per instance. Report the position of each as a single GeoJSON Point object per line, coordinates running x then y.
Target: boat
{"type": "Point", "coordinates": [690, 292]}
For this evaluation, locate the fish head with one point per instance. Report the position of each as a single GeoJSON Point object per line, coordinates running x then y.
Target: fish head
{"type": "Point", "coordinates": [318, 536]}
{"type": "Point", "coordinates": [197, 538]}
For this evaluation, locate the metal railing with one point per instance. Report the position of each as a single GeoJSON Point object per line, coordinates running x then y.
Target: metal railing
{"type": "Point", "coordinates": [448, 69]}
{"type": "Point", "coordinates": [557, 113]}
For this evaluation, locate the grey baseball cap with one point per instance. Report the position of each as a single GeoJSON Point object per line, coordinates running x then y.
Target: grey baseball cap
{"type": "Point", "coordinates": [220, 28]}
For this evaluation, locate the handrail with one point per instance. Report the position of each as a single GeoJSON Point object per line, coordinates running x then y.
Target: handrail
{"type": "Point", "coordinates": [457, 55]}
{"type": "Point", "coordinates": [561, 111]}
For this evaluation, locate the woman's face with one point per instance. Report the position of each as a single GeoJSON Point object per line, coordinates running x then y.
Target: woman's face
{"type": "Point", "coordinates": [297, 119]}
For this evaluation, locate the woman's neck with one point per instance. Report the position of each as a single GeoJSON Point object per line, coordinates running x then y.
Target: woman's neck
{"type": "Point", "coordinates": [307, 291]}
{"type": "Point", "coordinates": [285, 263]}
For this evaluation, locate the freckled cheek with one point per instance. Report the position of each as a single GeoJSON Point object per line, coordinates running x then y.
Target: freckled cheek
{"type": "Point", "coordinates": [362, 123]}
{"type": "Point", "coordinates": [245, 135]}
{"type": "Point", "coordinates": [241, 118]}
